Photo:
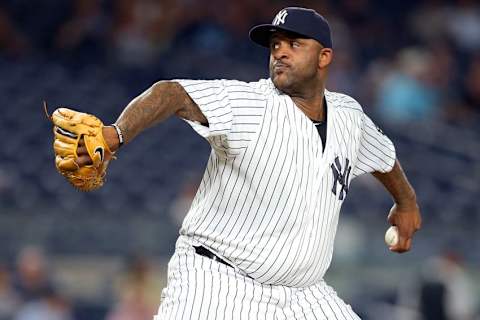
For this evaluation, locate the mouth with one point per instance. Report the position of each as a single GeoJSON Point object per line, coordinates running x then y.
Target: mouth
{"type": "Point", "coordinates": [280, 67]}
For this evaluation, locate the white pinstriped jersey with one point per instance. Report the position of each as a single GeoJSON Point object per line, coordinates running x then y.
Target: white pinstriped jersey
{"type": "Point", "coordinates": [270, 197]}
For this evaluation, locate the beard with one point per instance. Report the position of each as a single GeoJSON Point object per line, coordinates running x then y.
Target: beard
{"type": "Point", "coordinates": [284, 80]}
{"type": "Point", "coordinates": [290, 80]}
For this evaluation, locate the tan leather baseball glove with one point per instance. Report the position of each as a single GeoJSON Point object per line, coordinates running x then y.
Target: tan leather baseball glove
{"type": "Point", "coordinates": [70, 127]}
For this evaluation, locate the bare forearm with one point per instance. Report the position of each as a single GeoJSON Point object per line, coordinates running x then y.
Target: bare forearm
{"type": "Point", "coordinates": [160, 101]}
{"type": "Point", "coordinates": [156, 104]}
{"type": "Point", "coordinates": [397, 184]}
{"type": "Point", "coordinates": [405, 213]}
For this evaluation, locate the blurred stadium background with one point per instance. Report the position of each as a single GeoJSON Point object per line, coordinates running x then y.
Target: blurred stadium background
{"type": "Point", "coordinates": [414, 66]}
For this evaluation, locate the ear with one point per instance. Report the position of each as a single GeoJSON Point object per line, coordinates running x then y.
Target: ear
{"type": "Point", "coordinates": [325, 57]}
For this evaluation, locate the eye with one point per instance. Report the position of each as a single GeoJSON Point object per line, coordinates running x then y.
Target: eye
{"type": "Point", "coordinates": [274, 45]}
{"type": "Point", "coordinates": [295, 44]}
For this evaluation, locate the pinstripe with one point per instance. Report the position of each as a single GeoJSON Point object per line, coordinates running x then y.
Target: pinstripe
{"type": "Point", "coordinates": [370, 154]}
{"type": "Point", "coordinates": [227, 291]}
{"type": "Point", "coordinates": [316, 222]}
{"type": "Point", "coordinates": [173, 277]}
{"type": "Point", "coordinates": [234, 299]}
{"type": "Point", "coordinates": [312, 307]}
{"type": "Point", "coordinates": [341, 310]}
{"type": "Point", "coordinates": [342, 128]}
{"type": "Point", "coordinates": [318, 234]}
{"type": "Point", "coordinates": [351, 313]}
{"type": "Point", "coordinates": [320, 300]}
{"type": "Point", "coordinates": [262, 198]}
{"type": "Point", "coordinates": [324, 229]}
{"type": "Point", "coordinates": [373, 146]}
{"type": "Point", "coordinates": [206, 215]}
{"type": "Point", "coordinates": [220, 292]}
{"type": "Point", "coordinates": [266, 203]}
{"type": "Point", "coordinates": [301, 307]}
{"type": "Point", "coordinates": [305, 203]}
{"type": "Point", "coordinates": [330, 307]}
{"type": "Point", "coordinates": [296, 199]}
{"type": "Point", "coordinates": [227, 296]}
{"type": "Point", "coordinates": [245, 107]}
{"type": "Point", "coordinates": [267, 304]}
{"type": "Point", "coordinates": [250, 304]}
{"type": "Point", "coordinates": [189, 300]}
{"type": "Point", "coordinates": [212, 292]}
{"type": "Point", "coordinates": [203, 281]}
{"type": "Point", "coordinates": [282, 230]}
{"type": "Point", "coordinates": [369, 146]}
{"type": "Point", "coordinates": [247, 170]}
{"type": "Point", "coordinates": [287, 302]}
{"type": "Point", "coordinates": [298, 253]}
{"type": "Point", "coordinates": [271, 217]}
{"type": "Point", "coordinates": [239, 193]}
{"type": "Point", "coordinates": [186, 291]}
{"type": "Point", "coordinates": [181, 288]}
{"type": "Point", "coordinates": [311, 158]}
{"type": "Point", "coordinates": [256, 191]}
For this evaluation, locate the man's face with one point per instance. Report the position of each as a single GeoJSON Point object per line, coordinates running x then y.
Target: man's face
{"type": "Point", "coordinates": [294, 62]}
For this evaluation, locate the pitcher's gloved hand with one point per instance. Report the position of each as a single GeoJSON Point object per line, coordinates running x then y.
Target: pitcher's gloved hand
{"type": "Point", "coordinates": [76, 132]}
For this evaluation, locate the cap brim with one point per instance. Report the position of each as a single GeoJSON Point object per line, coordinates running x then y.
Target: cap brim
{"type": "Point", "coordinates": [261, 34]}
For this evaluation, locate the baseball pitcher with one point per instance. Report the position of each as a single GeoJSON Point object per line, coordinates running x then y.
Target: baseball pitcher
{"type": "Point", "coordinates": [259, 235]}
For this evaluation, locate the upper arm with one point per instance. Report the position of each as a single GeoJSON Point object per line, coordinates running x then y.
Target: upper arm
{"type": "Point", "coordinates": [189, 110]}
{"type": "Point", "coordinates": [206, 102]}
{"type": "Point", "coordinates": [376, 152]}
{"type": "Point", "coordinates": [233, 110]}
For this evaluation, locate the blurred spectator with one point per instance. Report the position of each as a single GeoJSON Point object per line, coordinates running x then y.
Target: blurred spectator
{"type": "Point", "coordinates": [345, 72]}
{"type": "Point", "coordinates": [446, 290]}
{"type": "Point", "coordinates": [84, 32]}
{"type": "Point", "coordinates": [142, 29]}
{"type": "Point", "coordinates": [344, 77]}
{"type": "Point", "coordinates": [138, 292]}
{"type": "Point", "coordinates": [443, 291]}
{"type": "Point", "coordinates": [49, 306]}
{"type": "Point", "coordinates": [428, 23]}
{"type": "Point", "coordinates": [471, 94]}
{"type": "Point", "coordinates": [5, 180]}
{"type": "Point", "coordinates": [463, 23]}
{"type": "Point", "coordinates": [12, 41]}
{"type": "Point", "coordinates": [8, 299]}
{"type": "Point", "coordinates": [408, 92]}
{"type": "Point", "coordinates": [32, 279]}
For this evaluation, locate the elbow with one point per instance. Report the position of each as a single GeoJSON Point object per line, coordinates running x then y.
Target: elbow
{"type": "Point", "coordinates": [162, 87]}
{"type": "Point", "coordinates": [168, 94]}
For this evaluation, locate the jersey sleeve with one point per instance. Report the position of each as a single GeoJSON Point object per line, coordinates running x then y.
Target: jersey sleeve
{"type": "Point", "coordinates": [376, 151]}
{"type": "Point", "coordinates": [211, 96]}
{"type": "Point", "coordinates": [234, 110]}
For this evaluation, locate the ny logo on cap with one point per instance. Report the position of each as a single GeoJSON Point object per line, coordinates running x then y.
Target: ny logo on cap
{"type": "Point", "coordinates": [280, 17]}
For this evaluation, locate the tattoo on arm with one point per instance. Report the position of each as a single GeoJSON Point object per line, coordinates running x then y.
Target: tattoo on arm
{"type": "Point", "coordinates": [157, 103]}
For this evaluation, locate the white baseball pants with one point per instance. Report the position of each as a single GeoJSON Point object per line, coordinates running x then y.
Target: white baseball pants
{"type": "Point", "coordinates": [200, 288]}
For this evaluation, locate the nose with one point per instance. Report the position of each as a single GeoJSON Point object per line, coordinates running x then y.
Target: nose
{"type": "Point", "coordinates": [280, 50]}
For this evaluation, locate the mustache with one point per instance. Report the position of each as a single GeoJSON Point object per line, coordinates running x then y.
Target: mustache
{"type": "Point", "coordinates": [280, 63]}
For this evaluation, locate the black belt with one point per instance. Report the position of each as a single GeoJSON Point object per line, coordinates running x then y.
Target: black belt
{"type": "Point", "coordinates": [207, 253]}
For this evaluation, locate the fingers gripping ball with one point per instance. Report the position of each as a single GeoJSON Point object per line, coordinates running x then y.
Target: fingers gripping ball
{"type": "Point", "coordinates": [69, 128]}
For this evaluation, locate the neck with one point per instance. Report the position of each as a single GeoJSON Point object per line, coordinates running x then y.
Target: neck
{"type": "Point", "coordinates": [311, 105]}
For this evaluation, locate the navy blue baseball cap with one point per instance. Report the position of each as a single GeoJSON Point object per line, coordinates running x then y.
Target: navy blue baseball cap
{"type": "Point", "coordinates": [300, 21]}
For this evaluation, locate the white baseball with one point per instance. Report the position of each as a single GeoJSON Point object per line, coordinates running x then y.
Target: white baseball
{"type": "Point", "coordinates": [391, 236]}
